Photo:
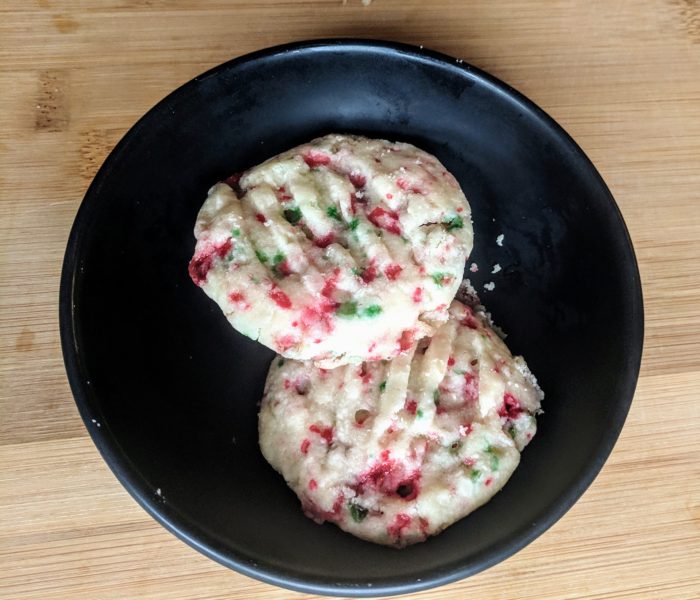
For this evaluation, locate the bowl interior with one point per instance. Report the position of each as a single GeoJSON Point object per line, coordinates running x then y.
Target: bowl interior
{"type": "Point", "coordinates": [176, 389]}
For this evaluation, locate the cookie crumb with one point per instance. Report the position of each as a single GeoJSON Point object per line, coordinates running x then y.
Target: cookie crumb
{"type": "Point", "coordinates": [474, 268]}
{"type": "Point", "coordinates": [496, 268]}
{"type": "Point", "coordinates": [490, 286]}
{"type": "Point", "coordinates": [499, 239]}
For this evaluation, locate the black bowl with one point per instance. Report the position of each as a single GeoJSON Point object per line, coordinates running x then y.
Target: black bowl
{"type": "Point", "coordinates": [169, 391]}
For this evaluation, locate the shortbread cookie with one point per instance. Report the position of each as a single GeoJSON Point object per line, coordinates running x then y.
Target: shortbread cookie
{"type": "Point", "coordinates": [339, 251]}
{"type": "Point", "coordinates": [395, 451]}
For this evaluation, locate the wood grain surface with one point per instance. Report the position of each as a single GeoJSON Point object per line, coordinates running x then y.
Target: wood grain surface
{"type": "Point", "coordinates": [623, 77]}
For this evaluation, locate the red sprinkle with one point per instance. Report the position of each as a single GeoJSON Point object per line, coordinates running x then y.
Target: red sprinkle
{"type": "Point", "coordinates": [406, 340]}
{"type": "Point", "coordinates": [393, 271]}
{"type": "Point", "coordinates": [418, 295]}
{"type": "Point", "coordinates": [357, 179]}
{"type": "Point", "coordinates": [282, 194]}
{"type": "Point", "coordinates": [325, 432]}
{"type": "Point", "coordinates": [200, 265]}
{"type": "Point", "coordinates": [380, 475]}
{"type": "Point", "coordinates": [353, 203]}
{"type": "Point", "coordinates": [364, 374]}
{"type": "Point", "coordinates": [469, 320]}
{"type": "Point", "coordinates": [330, 283]}
{"type": "Point", "coordinates": [471, 387]}
{"type": "Point", "coordinates": [401, 522]}
{"type": "Point", "coordinates": [285, 342]}
{"type": "Point", "coordinates": [511, 407]}
{"type": "Point", "coordinates": [411, 406]}
{"type": "Point", "coordinates": [260, 217]}
{"type": "Point", "coordinates": [239, 299]}
{"type": "Point", "coordinates": [369, 274]}
{"type": "Point", "coordinates": [409, 187]}
{"type": "Point", "coordinates": [319, 515]}
{"type": "Point", "coordinates": [385, 219]}
{"type": "Point", "coordinates": [488, 481]}
{"type": "Point", "coordinates": [451, 361]}
{"type": "Point", "coordinates": [233, 180]}
{"type": "Point", "coordinates": [318, 316]}
{"type": "Point", "coordinates": [280, 298]}
{"type": "Point", "coordinates": [389, 196]}
{"type": "Point", "coordinates": [326, 240]}
{"type": "Point", "coordinates": [302, 384]}
{"type": "Point", "coordinates": [224, 248]}
{"type": "Point", "coordinates": [314, 158]}
{"type": "Point", "coordinates": [283, 268]}
{"type": "Point", "coordinates": [305, 446]}
{"type": "Point", "coordinates": [389, 477]}
{"type": "Point", "coordinates": [312, 484]}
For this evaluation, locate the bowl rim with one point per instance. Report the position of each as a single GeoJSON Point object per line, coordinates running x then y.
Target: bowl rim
{"type": "Point", "coordinates": [127, 473]}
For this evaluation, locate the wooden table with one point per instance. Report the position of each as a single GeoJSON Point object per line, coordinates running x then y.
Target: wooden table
{"type": "Point", "coordinates": [622, 77]}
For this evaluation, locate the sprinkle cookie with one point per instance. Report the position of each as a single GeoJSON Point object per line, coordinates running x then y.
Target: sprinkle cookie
{"type": "Point", "coordinates": [395, 451]}
{"type": "Point", "coordinates": [339, 251]}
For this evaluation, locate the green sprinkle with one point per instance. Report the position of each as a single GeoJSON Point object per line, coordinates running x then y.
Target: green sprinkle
{"type": "Point", "coordinates": [511, 431]}
{"type": "Point", "coordinates": [353, 224]}
{"type": "Point", "coordinates": [293, 215]}
{"type": "Point", "coordinates": [333, 213]}
{"type": "Point", "coordinates": [356, 271]}
{"type": "Point", "coordinates": [236, 232]}
{"type": "Point", "coordinates": [436, 396]}
{"type": "Point", "coordinates": [347, 309]}
{"type": "Point", "coordinates": [460, 371]}
{"type": "Point", "coordinates": [440, 278]}
{"type": "Point", "coordinates": [372, 310]}
{"type": "Point", "coordinates": [280, 362]}
{"type": "Point", "coordinates": [456, 447]}
{"type": "Point", "coordinates": [382, 386]}
{"type": "Point", "coordinates": [495, 460]}
{"type": "Point", "coordinates": [262, 257]}
{"type": "Point", "coordinates": [474, 474]}
{"type": "Point", "coordinates": [404, 239]}
{"type": "Point", "coordinates": [278, 258]}
{"type": "Point", "coordinates": [419, 413]}
{"type": "Point", "coordinates": [357, 512]}
{"type": "Point", "coordinates": [454, 223]}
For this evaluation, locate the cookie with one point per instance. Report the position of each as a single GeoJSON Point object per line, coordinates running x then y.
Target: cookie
{"type": "Point", "coordinates": [339, 251]}
{"type": "Point", "coordinates": [395, 451]}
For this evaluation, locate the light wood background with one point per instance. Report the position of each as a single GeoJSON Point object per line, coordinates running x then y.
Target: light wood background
{"type": "Point", "coordinates": [623, 77]}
